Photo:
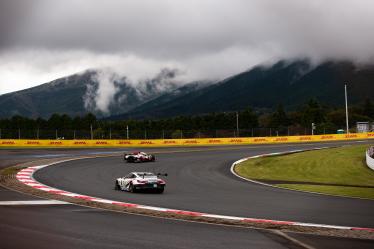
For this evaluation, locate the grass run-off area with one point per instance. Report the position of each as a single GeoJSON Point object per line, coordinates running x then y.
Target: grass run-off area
{"type": "Point", "coordinates": [316, 171]}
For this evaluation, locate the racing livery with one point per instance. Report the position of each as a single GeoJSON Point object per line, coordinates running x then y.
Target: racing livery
{"type": "Point", "coordinates": [136, 181]}
{"type": "Point", "coordinates": [139, 157]}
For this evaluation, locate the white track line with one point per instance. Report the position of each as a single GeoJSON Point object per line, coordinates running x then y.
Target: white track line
{"type": "Point", "coordinates": [232, 169]}
{"type": "Point", "coordinates": [35, 202]}
{"type": "Point", "coordinates": [27, 174]}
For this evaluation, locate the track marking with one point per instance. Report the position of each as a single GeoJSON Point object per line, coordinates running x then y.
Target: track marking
{"type": "Point", "coordinates": [33, 202]}
{"type": "Point", "coordinates": [293, 240]}
{"type": "Point", "coordinates": [232, 169]}
{"type": "Point", "coordinates": [26, 173]}
{"type": "Point", "coordinates": [259, 146]}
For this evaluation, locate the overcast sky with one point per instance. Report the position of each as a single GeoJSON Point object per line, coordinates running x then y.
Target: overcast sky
{"type": "Point", "coordinates": [42, 40]}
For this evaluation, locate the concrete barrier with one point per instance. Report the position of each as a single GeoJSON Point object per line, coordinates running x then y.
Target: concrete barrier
{"type": "Point", "coordinates": [369, 158]}
{"type": "Point", "coordinates": [181, 142]}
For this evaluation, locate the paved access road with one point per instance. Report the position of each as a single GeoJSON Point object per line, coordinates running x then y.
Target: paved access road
{"type": "Point", "coordinates": [68, 226]}
{"type": "Point", "coordinates": [200, 180]}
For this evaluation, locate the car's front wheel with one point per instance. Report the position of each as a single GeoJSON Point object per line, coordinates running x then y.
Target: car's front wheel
{"type": "Point", "coordinates": [116, 186]}
{"type": "Point", "coordinates": [132, 188]}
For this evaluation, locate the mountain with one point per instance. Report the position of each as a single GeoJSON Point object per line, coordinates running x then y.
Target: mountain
{"type": "Point", "coordinates": [78, 94]}
{"type": "Point", "coordinates": [288, 83]}
{"type": "Point", "coordinates": [155, 107]}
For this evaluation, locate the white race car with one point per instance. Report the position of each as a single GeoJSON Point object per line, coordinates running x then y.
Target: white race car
{"type": "Point", "coordinates": [139, 157]}
{"type": "Point", "coordinates": [137, 181]}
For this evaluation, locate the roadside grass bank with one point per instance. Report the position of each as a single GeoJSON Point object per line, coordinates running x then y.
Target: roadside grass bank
{"type": "Point", "coordinates": [316, 171]}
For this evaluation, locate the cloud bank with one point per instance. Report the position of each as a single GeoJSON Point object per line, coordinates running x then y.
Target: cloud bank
{"type": "Point", "coordinates": [203, 39]}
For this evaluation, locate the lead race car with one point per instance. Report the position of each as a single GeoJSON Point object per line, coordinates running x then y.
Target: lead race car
{"type": "Point", "coordinates": [139, 157]}
{"type": "Point", "coordinates": [136, 181]}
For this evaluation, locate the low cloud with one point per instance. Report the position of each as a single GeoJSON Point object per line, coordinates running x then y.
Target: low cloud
{"type": "Point", "coordinates": [101, 97]}
{"type": "Point", "coordinates": [37, 66]}
{"type": "Point", "coordinates": [202, 39]}
{"type": "Point", "coordinates": [104, 91]}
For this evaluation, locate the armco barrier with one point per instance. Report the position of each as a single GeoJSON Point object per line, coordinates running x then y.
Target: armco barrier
{"type": "Point", "coordinates": [369, 158]}
{"type": "Point", "coordinates": [180, 142]}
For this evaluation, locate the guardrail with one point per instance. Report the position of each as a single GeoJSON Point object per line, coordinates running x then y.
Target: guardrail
{"type": "Point", "coordinates": [369, 157]}
{"type": "Point", "coordinates": [181, 142]}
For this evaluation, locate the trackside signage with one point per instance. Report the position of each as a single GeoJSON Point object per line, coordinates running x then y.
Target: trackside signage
{"type": "Point", "coordinates": [180, 142]}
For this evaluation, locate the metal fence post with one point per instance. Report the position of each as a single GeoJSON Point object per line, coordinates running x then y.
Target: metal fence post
{"type": "Point", "coordinates": [237, 123]}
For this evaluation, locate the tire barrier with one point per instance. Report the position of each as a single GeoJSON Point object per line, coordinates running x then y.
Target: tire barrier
{"type": "Point", "coordinates": [181, 142]}
{"type": "Point", "coordinates": [369, 158]}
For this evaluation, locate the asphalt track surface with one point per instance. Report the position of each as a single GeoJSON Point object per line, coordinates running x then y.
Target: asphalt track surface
{"type": "Point", "coordinates": [78, 227]}
{"type": "Point", "coordinates": [70, 226]}
{"type": "Point", "coordinates": [201, 181]}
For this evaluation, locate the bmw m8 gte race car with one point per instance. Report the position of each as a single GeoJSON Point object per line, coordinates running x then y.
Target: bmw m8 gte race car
{"type": "Point", "coordinates": [138, 181]}
{"type": "Point", "coordinates": [137, 157]}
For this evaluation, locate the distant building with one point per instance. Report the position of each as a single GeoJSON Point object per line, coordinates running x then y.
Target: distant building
{"type": "Point", "coordinates": [340, 131]}
{"type": "Point", "coordinates": [362, 127]}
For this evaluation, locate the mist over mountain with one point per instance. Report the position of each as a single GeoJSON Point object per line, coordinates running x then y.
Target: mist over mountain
{"type": "Point", "coordinates": [108, 95]}
{"type": "Point", "coordinates": [288, 83]}
{"type": "Point", "coordinates": [101, 92]}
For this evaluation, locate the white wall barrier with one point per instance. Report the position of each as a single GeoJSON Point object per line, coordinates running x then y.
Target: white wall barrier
{"type": "Point", "coordinates": [369, 158]}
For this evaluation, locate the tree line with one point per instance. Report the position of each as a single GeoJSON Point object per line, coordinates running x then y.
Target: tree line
{"type": "Point", "coordinates": [327, 120]}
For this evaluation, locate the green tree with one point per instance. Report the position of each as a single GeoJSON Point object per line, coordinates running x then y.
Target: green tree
{"type": "Point", "coordinates": [88, 120]}
{"type": "Point", "coordinates": [248, 119]}
{"type": "Point", "coordinates": [55, 121]}
{"type": "Point", "coordinates": [66, 121]}
{"type": "Point", "coordinates": [279, 118]}
{"type": "Point", "coordinates": [368, 109]}
{"type": "Point", "coordinates": [312, 113]}
{"type": "Point", "coordinates": [77, 123]}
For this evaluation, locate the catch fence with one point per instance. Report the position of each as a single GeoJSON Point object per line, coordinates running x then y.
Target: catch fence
{"type": "Point", "coordinates": [135, 133]}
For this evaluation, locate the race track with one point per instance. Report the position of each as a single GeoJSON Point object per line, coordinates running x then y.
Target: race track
{"type": "Point", "coordinates": [200, 180]}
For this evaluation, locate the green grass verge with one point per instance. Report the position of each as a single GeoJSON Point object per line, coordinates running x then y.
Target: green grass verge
{"type": "Point", "coordinates": [344, 165]}
{"type": "Point", "coordinates": [9, 171]}
{"type": "Point", "coordinates": [342, 191]}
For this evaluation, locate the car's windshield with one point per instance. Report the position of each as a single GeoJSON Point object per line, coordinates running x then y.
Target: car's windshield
{"type": "Point", "coordinates": [146, 175]}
